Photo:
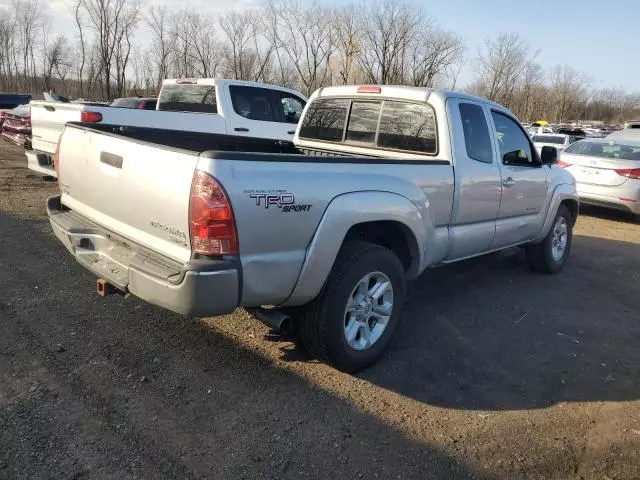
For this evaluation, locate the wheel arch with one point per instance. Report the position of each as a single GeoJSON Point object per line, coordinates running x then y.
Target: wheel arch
{"type": "Point", "coordinates": [383, 218]}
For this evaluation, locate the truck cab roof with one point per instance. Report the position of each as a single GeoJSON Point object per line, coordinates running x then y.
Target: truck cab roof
{"type": "Point", "coordinates": [418, 94]}
{"type": "Point", "coordinates": [221, 82]}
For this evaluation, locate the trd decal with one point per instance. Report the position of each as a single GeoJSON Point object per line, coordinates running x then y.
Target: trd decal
{"type": "Point", "coordinates": [285, 201]}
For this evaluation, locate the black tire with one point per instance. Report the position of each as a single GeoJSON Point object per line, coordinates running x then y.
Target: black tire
{"type": "Point", "coordinates": [322, 321]}
{"type": "Point", "coordinates": [540, 256]}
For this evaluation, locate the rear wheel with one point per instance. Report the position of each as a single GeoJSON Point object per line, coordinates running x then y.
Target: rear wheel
{"type": "Point", "coordinates": [351, 322]}
{"type": "Point", "coordinates": [550, 255]}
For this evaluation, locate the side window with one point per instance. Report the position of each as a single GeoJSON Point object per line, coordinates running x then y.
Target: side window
{"type": "Point", "coordinates": [407, 126]}
{"type": "Point", "coordinates": [292, 106]}
{"type": "Point", "coordinates": [325, 120]}
{"type": "Point", "coordinates": [515, 148]}
{"type": "Point", "coordinates": [363, 122]}
{"type": "Point", "coordinates": [252, 103]}
{"type": "Point", "coordinates": [476, 132]}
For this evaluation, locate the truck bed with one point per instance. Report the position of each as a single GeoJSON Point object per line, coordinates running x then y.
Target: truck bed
{"type": "Point", "coordinates": [207, 144]}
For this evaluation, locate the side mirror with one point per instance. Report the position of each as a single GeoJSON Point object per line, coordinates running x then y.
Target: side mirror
{"type": "Point", "coordinates": [549, 155]}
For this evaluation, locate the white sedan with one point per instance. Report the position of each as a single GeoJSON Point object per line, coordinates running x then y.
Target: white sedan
{"type": "Point", "coordinates": [557, 140]}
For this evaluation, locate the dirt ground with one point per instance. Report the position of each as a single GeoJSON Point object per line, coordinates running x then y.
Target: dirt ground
{"type": "Point", "coordinates": [495, 372]}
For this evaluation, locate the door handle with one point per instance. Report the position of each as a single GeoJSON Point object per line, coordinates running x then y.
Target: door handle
{"type": "Point", "coordinates": [241, 129]}
{"type": "Point", "coordinates": [509, 182]}
{"type": "Point", "coordinates": [49, 108]}
{"type": "Point", "coordinates": [291, 132]}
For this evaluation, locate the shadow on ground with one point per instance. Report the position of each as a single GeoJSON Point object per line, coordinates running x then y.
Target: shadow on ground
{"type": "Point", "coordinates": [608, 214]}
{"type": "Point", "coordinates": [108, 388]}
{"type": "Point", "coordinates": [488, 334]}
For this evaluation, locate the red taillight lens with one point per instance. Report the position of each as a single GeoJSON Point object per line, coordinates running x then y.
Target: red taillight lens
{"type": "Point", "coordinates": [91, 117]}
{"type": "Point", "coordinates": [142, 105]}
{"type": "Point", "coordinates": [212, 227]}
{"type": "Point", "coordinates": [369, 89]}
{"type": "Point", "coordinates": [562, 164]}
{"type": "Point", "coordinates": [630, 172]}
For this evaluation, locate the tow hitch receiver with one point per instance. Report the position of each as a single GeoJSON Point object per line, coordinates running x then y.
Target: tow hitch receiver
{"type": "Point", "coordinates": [104, 288]}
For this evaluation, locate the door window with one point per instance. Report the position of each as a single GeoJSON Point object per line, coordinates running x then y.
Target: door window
{"type": "Point", "coordinates": [476, 132]}
{"type": "Point", "coordinates": [252, 103]}
{"type": "Point", "coordinates": [514, 145]}
{"type": "Point", "coordinates": [292, 107]}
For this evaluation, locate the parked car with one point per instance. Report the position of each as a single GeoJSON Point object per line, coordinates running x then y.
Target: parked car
{"type": "Point", "coordinates": [385, 182]}
{"type": "Point", "coordinates": [234, 107]}
{"type": "Point", "coordinates": [135, 102]}
{"type": "Point", "coordinates": [16, 126]}
{"type": "Point", "coordinates": [9, 101]}
{"type": "Point", "coordinates": [607, 172]}
{"type": "Point", "coordinates": [556, 140]}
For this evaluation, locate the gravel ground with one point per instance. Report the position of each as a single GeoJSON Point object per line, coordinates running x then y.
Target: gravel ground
{"type": "Point", "coordinates": [495, 372]}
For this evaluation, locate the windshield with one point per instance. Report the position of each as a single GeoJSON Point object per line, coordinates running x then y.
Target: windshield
{"type": "Point", "coordinates": [611, 150]}
{"type": "Point", "coordinates": [188, 98]}
{"type": "Point", "coordinates": [548, 139]}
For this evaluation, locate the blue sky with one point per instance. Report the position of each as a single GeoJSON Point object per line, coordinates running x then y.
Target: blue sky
{"type": "Point", "coordinates": [600, 38]}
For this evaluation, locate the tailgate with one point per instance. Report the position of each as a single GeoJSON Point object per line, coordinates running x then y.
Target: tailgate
{"type": "Point", "coordinates": [47, 122]}
{"type": "Point", "coordinates": [598, 171]}
{"type": "Point", "coordinates": [138, 191]}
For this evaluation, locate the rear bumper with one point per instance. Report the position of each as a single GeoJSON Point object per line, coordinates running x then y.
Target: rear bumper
{"type": "Point", "coordinates": [197, 288]}
{"type": "Point", "coordinates": [40, 162]}
{"type": "Point", "coordinates": [625, 199]}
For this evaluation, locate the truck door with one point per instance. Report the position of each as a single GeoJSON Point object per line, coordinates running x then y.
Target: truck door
{"type": "Point", "coordinates": [263, 112]}
{"type": "Point", "coordinates": [477, 180]}
{"type": "Point", "coordinates": [524, 183]}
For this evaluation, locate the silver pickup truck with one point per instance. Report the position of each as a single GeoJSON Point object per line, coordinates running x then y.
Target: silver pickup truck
{"type": "Point", "coordinates": [383, 182]}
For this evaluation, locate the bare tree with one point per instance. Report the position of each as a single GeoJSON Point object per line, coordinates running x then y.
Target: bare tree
{"type": "Point", "coordinates": [28, 20]}
{"type": "Point", "coordinates": [391, 28]}
{"type": "Point", "coordinates": [499, 66]}
{"type": "Point", "coordinates": [305, 36]}
{"type": "Point", "coordinates": [432, 53]}
{"type": "Point", "coordinates": [163, 42]}
{"type": "Point", "coordinates": [568, 88]}
{"type": "Point", "coordinates": [7, 50]}
{"type": "Point", "coordinates": [113, 22]}
{"type": "Point", "coordinates": [248, 52]}
{"type": "Point", "coordinates": [347, 33]}
{"type": "Point", "coordinates": [56, 60]}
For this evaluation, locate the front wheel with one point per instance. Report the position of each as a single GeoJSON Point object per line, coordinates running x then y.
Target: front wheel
{"type": "Point", "coordinates": [550, 255]}
{"type": "Point", "coordinates": [351, 322]}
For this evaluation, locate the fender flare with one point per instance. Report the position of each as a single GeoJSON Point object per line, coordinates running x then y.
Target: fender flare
{"type": "Point", "coordinates": [561, 193]}
{"type": "Point", "coordinates": [342, 213]}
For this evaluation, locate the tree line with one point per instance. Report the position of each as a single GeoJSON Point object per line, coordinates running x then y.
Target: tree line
{"type": "Point", "coordinates": [127, 47]}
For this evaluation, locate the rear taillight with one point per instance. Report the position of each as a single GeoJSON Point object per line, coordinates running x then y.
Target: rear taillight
{"type": "Point", "coordinates": [142, 105]}
{"type": "Point", "coordinates": [90, 117]}
{"type": "Point", "coordinates": [630, 173]}
{"type": "Point", "coordinates": [562, 164]}
{"type": "Point", "coordinates": [212, 227]}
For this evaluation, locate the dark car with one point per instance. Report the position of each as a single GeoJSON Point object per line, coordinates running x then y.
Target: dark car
{"type": "Point", "coordinates": [12, 100]}
{"type": "Point", "coordinates": [134, 102]}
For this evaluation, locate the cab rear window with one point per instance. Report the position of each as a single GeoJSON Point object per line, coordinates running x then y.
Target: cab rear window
{"type": "Point", "coordinates": [188, 98]}
{"type": "Point", "coordinates": [385, 124]}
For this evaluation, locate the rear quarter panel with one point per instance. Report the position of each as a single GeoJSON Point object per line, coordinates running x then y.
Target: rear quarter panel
{"type": "Point", "coordinates": [279, 205]}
